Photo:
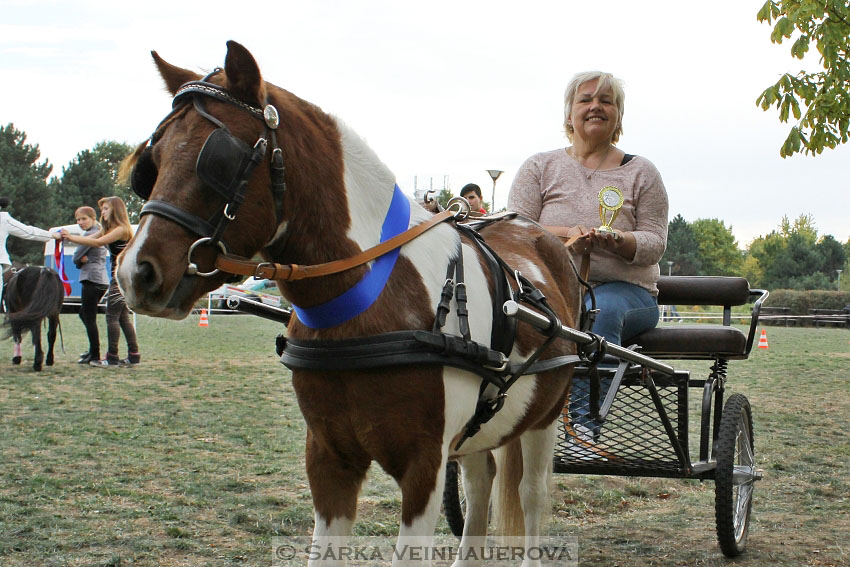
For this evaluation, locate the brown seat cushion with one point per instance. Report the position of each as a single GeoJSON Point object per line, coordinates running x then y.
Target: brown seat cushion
{"type": "Point", "coordinates": [703, 290]}
{"type": "Point", "coordinates": [703, 342]}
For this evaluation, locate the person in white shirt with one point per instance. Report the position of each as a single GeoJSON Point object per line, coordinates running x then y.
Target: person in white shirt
{"type": "Point", "coordinates": [11, 227]}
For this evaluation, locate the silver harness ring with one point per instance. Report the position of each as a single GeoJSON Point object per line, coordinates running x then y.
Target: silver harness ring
{"type": "Point", "coordinates": [192, 268]}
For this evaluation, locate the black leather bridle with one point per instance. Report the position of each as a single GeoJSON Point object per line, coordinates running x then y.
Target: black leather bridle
{"type": "Point", "coordinates": [224, 165]}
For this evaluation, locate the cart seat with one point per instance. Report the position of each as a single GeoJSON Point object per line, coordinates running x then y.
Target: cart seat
{"type": "Point", "coordinates": [693, 342]}
{"type": "Point", "coordinates": [704, 342]}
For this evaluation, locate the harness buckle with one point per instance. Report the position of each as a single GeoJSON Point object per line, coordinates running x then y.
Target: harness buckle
{"type": "Point", "coordinates": [260, 267]}
{"type": "Point", "coordinates": [227, 214]}
{"type": "Point", "coordinates": [518, 279]}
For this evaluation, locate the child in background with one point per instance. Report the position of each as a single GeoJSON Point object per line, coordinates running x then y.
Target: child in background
{"type": "Point", "coordinates": [91, 261]}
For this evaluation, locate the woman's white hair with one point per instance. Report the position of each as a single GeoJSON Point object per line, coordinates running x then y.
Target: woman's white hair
{"type": "Point", "coordinates": [606, 80]}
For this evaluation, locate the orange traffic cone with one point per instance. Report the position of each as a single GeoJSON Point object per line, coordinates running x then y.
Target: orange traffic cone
{"type": "Point", "coordinates": [205, 322]}
{"type": "Point", "coordinates": [763, 339]}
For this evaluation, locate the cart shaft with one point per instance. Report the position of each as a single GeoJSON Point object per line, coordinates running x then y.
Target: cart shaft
{"type": "Point", "coordinates": [541, 323]}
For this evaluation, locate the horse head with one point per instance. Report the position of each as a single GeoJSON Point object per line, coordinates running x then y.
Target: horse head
{"type": "Point", "coordinates": [214, 175]}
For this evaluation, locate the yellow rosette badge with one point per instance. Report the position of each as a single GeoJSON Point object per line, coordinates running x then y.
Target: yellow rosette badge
{"type": "Point", "coordinates": [610, 201]}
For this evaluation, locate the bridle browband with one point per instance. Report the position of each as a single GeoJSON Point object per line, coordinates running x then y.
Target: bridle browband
{"type": "Point", "coordinates": [224, 164]}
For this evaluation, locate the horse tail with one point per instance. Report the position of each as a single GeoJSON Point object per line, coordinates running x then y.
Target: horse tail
{"type": "Point", "coordinates": [507, 510]}
{"type": "Point", "coordinates": [45, 298]}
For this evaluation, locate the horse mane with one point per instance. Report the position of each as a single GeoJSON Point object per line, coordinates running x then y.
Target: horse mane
{"type": "Point", "coordinates": [125, 169]}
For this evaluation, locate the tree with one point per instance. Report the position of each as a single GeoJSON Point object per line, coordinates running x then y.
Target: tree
{"type": "Point", "coordinates": [804, 225]}
{"type": "Point", "coordinates": [113, 153]}
{"type": "Point", "coordinates": [753, 271]}
{"type": "Point", "coordinates": [23, 179]}
{"type": "Point", "coordinates": [794, 258]}
{"type": "Point", "coordinates": [93, 174]}
{"type": "Point", "coordinates": [826, 119]}
{"type": "Point", "coordinates": [682, 249]}
{"type": "Point", "coordinates": [832, 256]}
{"type": "Point", "coordinates": [799, 262]}
{"type": "Point", "coordinates": [718, 249]}
{"type": "Point", "coordinates": [84, 181]}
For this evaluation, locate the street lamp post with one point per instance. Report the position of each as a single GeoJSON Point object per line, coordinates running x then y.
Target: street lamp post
{"type": "Point", "coordinates": [669, 267]}
{"type": "Point", "coordinates": [839, 279]}
{"type": "Point", "coordinates": [494, 175]}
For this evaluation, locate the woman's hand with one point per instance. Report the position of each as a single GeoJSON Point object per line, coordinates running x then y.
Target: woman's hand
{"type": "Point", "coordinates": [620, 243]}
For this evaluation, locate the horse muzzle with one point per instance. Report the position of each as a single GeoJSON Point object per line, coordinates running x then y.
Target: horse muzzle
{"type": "Point", "coordinates": [153, 277]}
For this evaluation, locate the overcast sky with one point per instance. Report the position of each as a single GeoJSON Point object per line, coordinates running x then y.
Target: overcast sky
{"type": "Point", "coordinates": [447, 89]}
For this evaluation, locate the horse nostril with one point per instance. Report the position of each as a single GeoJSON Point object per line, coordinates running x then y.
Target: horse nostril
{"type": "Point", "coordinates": [146, 277]}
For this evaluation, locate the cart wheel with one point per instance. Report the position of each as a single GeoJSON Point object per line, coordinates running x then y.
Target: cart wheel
{"type": "Point", "coordinates": [454, 504]}
{"type": "Point", "coordinates": [734, 476]}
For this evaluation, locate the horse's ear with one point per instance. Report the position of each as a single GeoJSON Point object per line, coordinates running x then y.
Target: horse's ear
{"type": "Point", "coordinates": [243, 74]}
{"type": "Point", "coordinates": [174, 77]}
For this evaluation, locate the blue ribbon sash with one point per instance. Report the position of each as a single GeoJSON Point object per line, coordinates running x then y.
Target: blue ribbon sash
{"type": "Point", "coordinates": [365, 292]}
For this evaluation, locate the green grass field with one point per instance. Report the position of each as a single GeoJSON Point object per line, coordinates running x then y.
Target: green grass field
{"type": "Point", "coordinates": [195, 458]}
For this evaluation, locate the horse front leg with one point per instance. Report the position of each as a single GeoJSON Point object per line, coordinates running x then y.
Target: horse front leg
{"type": "Point", "coordinates": [537, 448]}
{"type": "Point", "coordinates": [421, 495]}
{"type": "Point", "coordinates": [52, 324]}
{"type": "Point", "coordinates": [478, 469]}
{"type": "Point", "coordinates": [335, 484]}
{"type": "Point", "coordinates": [36, 342]}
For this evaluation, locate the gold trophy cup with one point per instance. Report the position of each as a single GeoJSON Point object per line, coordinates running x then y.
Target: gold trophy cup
{"type": "Point", "coordinates": [610, 201]}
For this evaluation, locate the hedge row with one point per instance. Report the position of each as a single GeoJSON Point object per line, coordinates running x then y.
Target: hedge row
{"type": "Point", "coordinates": [801, 302]}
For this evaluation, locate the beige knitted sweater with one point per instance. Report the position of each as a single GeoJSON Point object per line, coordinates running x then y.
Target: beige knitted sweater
{"type": "Point", "coordinates": [554, 189]}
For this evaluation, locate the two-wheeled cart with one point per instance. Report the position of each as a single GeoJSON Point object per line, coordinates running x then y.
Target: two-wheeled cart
{"type": "Point", "coordinates": [639, 426]}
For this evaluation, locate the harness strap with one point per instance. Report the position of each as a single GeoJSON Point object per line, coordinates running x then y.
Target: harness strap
{"type": "Point", "coordinates": [278, 175]}
{"type": "Point", "coordinates": [587, 316]}
{"type": "Point", "coordinates": [395, 348]}
{"type": "Point", "coordinates": [446, 295]}
{"type": "Point", "coordinates": [503, 333]}
{"type": "Point", "coordinates": [238, 196]}
{"type": "Point", "coordinates": [290, 272]}
{"type": "Point", "coordinates": [190, 222]}
{"type": "Point", "coordinates": [460, 295]}
{"type": "Point", "coordinates": [584, 271]}
{"type": "Point", "coordinates": [408, 348]}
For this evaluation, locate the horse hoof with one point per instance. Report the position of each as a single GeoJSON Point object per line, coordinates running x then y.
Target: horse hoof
{"type": "Point", "coordinates": [49, 361]}
{"type": "Point", "coordinates": [16, 360]}
{"type": "Point", "coordinates": [36, 367]}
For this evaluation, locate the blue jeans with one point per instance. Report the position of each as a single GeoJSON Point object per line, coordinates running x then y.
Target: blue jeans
{"type": "Point", "coordinates": [625, 310]}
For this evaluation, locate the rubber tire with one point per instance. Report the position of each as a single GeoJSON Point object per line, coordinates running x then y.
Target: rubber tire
{"type": "Point", "coordinates": [454, 505]}
{"type": "Point", "coordinates": [732, 515]}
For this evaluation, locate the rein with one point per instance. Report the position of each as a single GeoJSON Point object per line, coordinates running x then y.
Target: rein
{"type": "Point", "coordinates": [233, 264]}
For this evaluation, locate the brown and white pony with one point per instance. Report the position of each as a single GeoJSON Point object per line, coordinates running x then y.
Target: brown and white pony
{"type": "Point", "coordinates": [409, 418]}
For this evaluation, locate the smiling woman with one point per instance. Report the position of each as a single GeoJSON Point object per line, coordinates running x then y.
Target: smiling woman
{"type": "Point", "coordinates": [570, 190]}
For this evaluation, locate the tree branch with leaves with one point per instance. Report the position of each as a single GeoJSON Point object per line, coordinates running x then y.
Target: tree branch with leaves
{"type": "Point", "coordinates": [825, 95]}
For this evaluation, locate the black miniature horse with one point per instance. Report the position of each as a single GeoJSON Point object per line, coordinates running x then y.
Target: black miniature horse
{"type": "Point", "coordinates": [30, 295]}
